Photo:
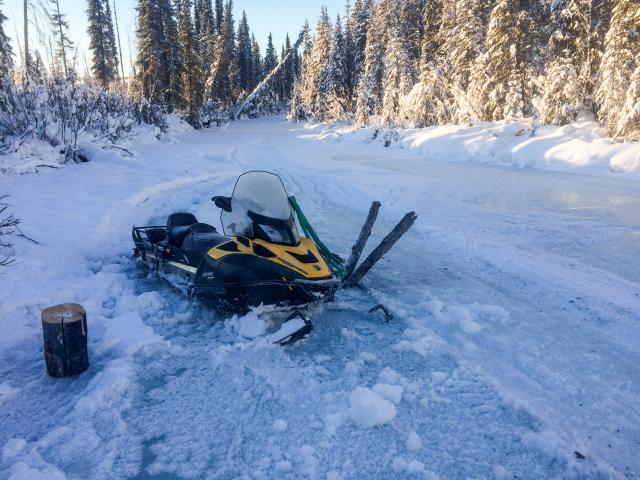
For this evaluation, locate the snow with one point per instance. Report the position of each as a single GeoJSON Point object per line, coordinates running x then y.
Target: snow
{"type": "Point", "coordinates": [393, 393]}
{"type": "Point", "coordinates": [280, 425]}
{"type": "Point", "coordinates": [368, 409]}
{"type": "Point", "coordinates": [249, 325]}
{"type": "Point", "coordinates": [578, 147]}
{"type": "Point", "coordinates": [414, 442]}
{"type": "Point", "coordinates": [515, 297]}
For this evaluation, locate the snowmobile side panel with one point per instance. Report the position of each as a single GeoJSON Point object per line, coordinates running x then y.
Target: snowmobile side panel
{"type": "Point", "coordinates": [304, 259]}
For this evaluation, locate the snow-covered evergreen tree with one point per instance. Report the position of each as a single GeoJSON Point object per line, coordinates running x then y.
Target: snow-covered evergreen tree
{"type": "Point", "coordinates": [563, 92]}
{"type": "Point", "coordinates": [205, 30]}
{"type": "Point", "coordinates": [288, 72]}
{"type": "Point", "coordinates": [622, 45]}
{"type": "Point", "coordinates": [110, 38]}
{"type": "Point", "coordinates": [221, 84]}
{"type": "Point", "coordinates": [103, 67]}
{"type": "Point", "coordinates": [599, 14]}
{"type": "Point", "coordinates": [191, 75]}
{"type": "Point", "coordinates": [338, 100]}
{"type": "Point", "coordinates": [256, 63]}
{"type": "Point", "coordinates": [629, 123]}
{"type": "Point", "coordinates": [497, 82]}
{"type": "Point", "coordinates": [411, 31]}
{"type": "Point", "coordinates": [6, 51]}
{"type": "Point", "coordinates": [62, 62]}
{"type": "Point", "coordinates": [219, 16]}
{"type": "Point", "coordinates": [398, 78]}
{"type": "Point", "coordinates": [431, 21]}
{"type": "Point", "coordinates": [270, 56]}
{"type": "Point", "coordinates": [371, 86]}
{"type": "Point", "coordinates": [461, 43]}
{"type": "Point", "coordinates": [560, 96]}
{"type": "Point", "coordinates": [316, 69]}
{"type": "Point", "coordinates": [243, 54]}
{"type": "Point", "coordinates": [170, 55]}
{"type": "Point", "coordinates": [358, 27]}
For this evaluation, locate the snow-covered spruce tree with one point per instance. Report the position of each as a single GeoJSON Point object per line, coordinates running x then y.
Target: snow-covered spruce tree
{"type": "Point", "coordinates": [269, 102]}
{"type": "Point", "coordinates": [398, 78]}
{"type": "Point", "coordinates": [461, 43]}
{"type": "Point", "coordinates": [170, 55]}
{"type": "Point", "coordinates": [338, 101]}
{"type": "Point", "coordinates": [563, 93]}
{"type": "Point", "coordinates": [358, 26]}
{"type": "Point", "coordinates": [371, 86]}
{"type": "Point", "coordinates": [221, 86]}
{"type": "Point", "coordinates": [61, 65]}
{"type": "Point", "coordinates": [288, 72]}
{"type": "Point", "coordinates": [110, 38]}
{"type": "Point", "coordinates": [348, 55]}
{"type": "Point", "coordinates": [256, 63]}
{"type": "Point", "coordinates": [432, 22]}
{"type": "Point", "coordinates": [148, 78]}
{"type": "Point", "coordinates": [205, 31]}
{"type": "Point", "coordinates": [103, 67]}
{"type": "Point", "coordinates": [299, 110]}
{"type": "Point", "coordinates": [560, 100]}
{"type": "Point", "coordinates": [622, 45]}
{"type": "Point", "coordinates": [599, 14]}
{"type": "Point", "coordinates": [496, 87]}
{"type": "Point", "coordinates": [317, 71]}
{"type": "Point", "coordinates": [243, 54]}
{"type": "Point", "coordinates": [6, 52]}
{"type": "Point", "coordinates": [629, 123]}
{"type": "Point", "coordinates": [270, 56]}
{"type": "Point", "coordinates": [430, 102]}
{"type": "Point", "coordinates": [412, 30]}
{"type": "Point", "coordinates": [191, 75]}
{"type": "Point", "coordinates": [219, 16]}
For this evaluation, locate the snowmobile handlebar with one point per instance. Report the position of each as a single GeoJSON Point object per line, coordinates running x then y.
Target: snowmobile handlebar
{"type": "Point", "coordinates": [222, 202]}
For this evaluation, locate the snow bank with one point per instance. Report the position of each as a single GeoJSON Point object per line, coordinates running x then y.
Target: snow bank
{"type": "Point", "coordinates": [368, 409]}
{"type": "Point", "coordinates": [578, 147]}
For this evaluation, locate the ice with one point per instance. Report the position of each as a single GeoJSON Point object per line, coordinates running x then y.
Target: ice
{"type": "Point", "coordinates": [368, 409]}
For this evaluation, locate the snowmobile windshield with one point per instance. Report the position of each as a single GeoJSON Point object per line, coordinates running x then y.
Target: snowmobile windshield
{"type": "Point", "coordinates": [260, 208]}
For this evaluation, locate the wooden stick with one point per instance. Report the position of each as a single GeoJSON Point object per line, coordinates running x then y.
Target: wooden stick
{"type": "Point", "coordinates": [357, 248]}
{"type": "Point", "coordinates": [389, 241]}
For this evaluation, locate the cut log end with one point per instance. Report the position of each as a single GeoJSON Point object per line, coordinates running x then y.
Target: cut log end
{"type": "Point", "coordinates": [64, 328]}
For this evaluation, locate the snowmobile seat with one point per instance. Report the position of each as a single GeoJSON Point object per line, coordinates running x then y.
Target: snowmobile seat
{"type": "Point", "coordinates": [199, 240]}
{"type": "Point", "coordinates": [178, 226]}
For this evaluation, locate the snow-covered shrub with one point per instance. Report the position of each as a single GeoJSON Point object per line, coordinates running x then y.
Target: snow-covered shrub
{"type": "Point", "coordinates": [63, 113]}
{"type": "Point", "coordinates": [6, 229]}
{"type": "Point", "coordinates": [214, 113]}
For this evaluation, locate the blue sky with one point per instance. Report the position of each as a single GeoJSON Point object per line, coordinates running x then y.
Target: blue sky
{"type": "Point", "coordinates": [276, 16]}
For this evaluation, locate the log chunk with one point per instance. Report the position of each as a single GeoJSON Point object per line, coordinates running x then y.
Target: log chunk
{"type": "Point", "coordinates": [64, 328]}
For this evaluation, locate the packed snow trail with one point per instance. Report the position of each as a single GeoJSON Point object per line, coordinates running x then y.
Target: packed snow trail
{"type": "Point", "coordinates": [515, 342]}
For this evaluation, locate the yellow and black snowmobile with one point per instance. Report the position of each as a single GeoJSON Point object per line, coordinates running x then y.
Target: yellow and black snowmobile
{"type": "Point", "coordinates": [259, 259]}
